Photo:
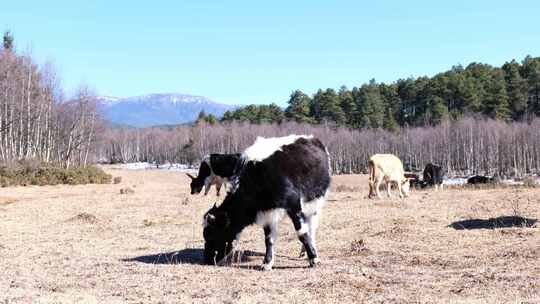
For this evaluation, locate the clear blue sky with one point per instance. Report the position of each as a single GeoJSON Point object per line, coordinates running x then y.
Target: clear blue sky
{"type": "Point", "coordinates": [244, 52]}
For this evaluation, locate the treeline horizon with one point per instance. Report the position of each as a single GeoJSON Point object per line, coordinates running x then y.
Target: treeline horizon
{"type": "Point", "coordinates": [508, 93]}
{"type": "Point", "coordinates": [463, 147]}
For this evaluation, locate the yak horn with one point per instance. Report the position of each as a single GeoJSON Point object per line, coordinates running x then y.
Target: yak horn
{"type": "Point", "coordinates": [210, 218]}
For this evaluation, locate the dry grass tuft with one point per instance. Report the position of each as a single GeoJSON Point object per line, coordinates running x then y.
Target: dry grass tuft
{"type": "Point", "coordinates": [344, 188]}
{"type": "Point", "coordinates": [84, 218]}
{"type": "Point", "coordinates": [126, 190]}
{"type": "Point", "coordinates": [148, 223]}
{"type": "Point", "coordinates": [358, 247]}
{"type": "Point", "coordinates": [31, 172]}
{"type": "Point", "coordinates": [530, 181]}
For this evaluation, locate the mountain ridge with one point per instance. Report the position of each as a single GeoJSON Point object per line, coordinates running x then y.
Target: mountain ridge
{"type": "Point", "coordinates": [158, 109]}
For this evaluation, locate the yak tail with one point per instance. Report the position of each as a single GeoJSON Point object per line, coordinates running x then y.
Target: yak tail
{"type": "Point", "coordinates": [372, 171]}
{"type": "Point", "coordinates": [372, 174]}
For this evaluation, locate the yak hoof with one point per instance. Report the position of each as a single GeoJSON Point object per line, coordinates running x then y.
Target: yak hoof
{"type": "Point", "coordinates": [314, 262]}
{"type": "Point", "coordinates": [266, 267]}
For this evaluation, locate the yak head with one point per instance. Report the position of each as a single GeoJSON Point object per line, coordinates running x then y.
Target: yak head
{"type": "Point", "coordinates": [196, 184]}
{"type": "Point", "coordinates": [218, 238]}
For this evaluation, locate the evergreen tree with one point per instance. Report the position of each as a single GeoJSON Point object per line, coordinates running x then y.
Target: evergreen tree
{"type": "Point", "coordinates": [496, 104]}
{"type": "Point", "coordinates": [454, 95]}
{"type": "Point", "coordinates": [263, 114]}
{"type": "Point", "coordinates": [211, 119]}
{"type": "Point", "coordinates": [407, 92]}
{"type": "Point", "coordinates": [370, 107]}
{"type": "Point", "coordinates": [249, 113]}
{"type": "Point", "coordinates": [315, 106]}
{"type": "Point", "coordinates": [392, 104]}
{"type": "Point", "coordinates": [389, 122]}
{"type": "Point", "coordinates": [326, 107]}
{"type": "Point", "coordinates": [256, 114]}
{"type": "Point", "coordinates": [531, 71]}
{"type": "Point", "coordinates": [471, 99]}
{"type": "Point", "coordinates": [424, 91]}
{"type": "Point", "coordinates": [346, 102]}
{"type": "Point", "coordinates": [516, 87]}
{"type": "Point", "coordinates": [298, 109]}
{"type": "Point", "coordinates": [276, 114]}
{"type": "Point", "coordinates": [357, 112]}
{"type": "Point", "coordinates": [8, 41]}
{"type": "Point", "coordinates": [201, 117]}
{"type": "Point", "coordinates": [437, 110]}
{"type": "Point", "coordinates": [227, 116]}
{"type": "Point", "coordinates": [481, 75]}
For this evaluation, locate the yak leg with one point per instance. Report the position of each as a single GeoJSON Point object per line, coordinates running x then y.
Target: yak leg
{"type": "Point", "coordinates": [312, 223]}
{"type": "Point", "coordinates": [207, 186]}
{"type": "Point", "coordinates": [302, 230]}
{"type": "Point", "coordinates": [371, 186]}
{"type": "Point", "coordinates": [400, 190]}
{"type": "Point", "coordinates": [207, 189]}
{"type": "Point", "coordinates": [218, 188]}
{"type": "Point", "coordinates": [270, 233]}
{"type": "Point", "coordinates": [377, 186]}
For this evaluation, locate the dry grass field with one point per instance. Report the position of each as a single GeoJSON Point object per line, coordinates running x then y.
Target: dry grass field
{"type": "Point", "coordinates": [90, 244]}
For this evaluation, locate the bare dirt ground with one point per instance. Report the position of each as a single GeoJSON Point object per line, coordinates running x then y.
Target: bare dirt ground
{"type": "Point", "coordinates": [65, 244]}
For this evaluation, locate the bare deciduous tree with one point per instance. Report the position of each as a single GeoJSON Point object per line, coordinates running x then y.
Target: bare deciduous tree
{"type": "Point", "coordinates": [467, 146]}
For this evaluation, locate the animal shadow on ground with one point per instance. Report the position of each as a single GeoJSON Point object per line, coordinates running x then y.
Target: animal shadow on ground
{"type": "Point", "coordinates": [187, 256]}
{"type": "Point", "coordinates": [493, 223]}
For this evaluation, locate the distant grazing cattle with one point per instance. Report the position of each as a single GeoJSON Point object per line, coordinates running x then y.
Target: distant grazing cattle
{"type": "Point", "coordinates": [414, 180]}
{"type": "Point", "coordinates": [215, 169]}
{"type": "Point", "coordinates": [479, 179]}
{"type": "Point", "coordinates": [433, 176]}
{"type": "Point", "coordinates": [277, 176]}
{"type": "Point", "coordinates": [387, 168]}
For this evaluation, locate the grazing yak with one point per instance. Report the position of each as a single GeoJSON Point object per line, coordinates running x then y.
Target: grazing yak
{"type": "Point", "coordinates": [387, 168]}
{"type": "Point", "coordinates": [433, 176]}
{"type": "Point", "coordinates": [415, 181]}
{"type": "Point", "coordinates": [276, 176]}
{"type": "Point", "coordinates": [215, 169]}
{"type": "Point", "coordinates": [479, 179]}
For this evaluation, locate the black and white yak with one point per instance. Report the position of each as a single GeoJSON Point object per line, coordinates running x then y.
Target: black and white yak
{"type": "Point", "coordinates": [215, 169]}
{"type": "Point", "coordinates": [276, 176]}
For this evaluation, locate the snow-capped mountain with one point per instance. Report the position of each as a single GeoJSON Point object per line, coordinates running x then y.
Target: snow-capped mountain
{"type": "Point", "coordinates": [158, 109]}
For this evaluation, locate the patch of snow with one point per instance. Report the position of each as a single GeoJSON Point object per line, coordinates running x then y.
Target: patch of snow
{"type": "Point", "coordinates": [152, 166]}
{"type": "Point", "coordinates": [109, 100]}
{"type": "Point", "coordinates": [455, 181]}
{"type": "Point", "coordinates": [511, 182]}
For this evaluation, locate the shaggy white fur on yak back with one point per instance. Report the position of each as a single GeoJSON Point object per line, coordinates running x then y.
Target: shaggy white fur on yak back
{"type": "Point", "coordinates": [264, 147]}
